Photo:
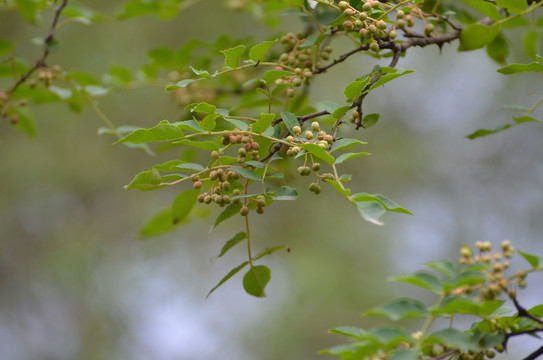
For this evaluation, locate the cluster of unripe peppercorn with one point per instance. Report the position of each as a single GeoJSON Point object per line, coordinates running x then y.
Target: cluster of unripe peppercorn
{"type": "Point", "coordinates": [372, 29]}
{"type": "Point", "coordinates": [498, 282]}
{"type": "Point", "coordinates": [220, 192]}
{"type": "Point", "coordinates": [324, 140]}
{"type": "Point", "coordinates": [250, 147]}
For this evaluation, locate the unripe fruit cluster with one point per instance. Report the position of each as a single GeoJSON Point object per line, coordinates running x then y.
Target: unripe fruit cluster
{"type": "Point", "coordinates": [249, 148]}
{"type": "Point", "coordinates": [218, 193]}
{"type": "Point", "coordinates": [302, 58]}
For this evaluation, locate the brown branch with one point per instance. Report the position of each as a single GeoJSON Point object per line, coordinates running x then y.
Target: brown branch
{"type": "Point", "coordinates": [303, 118]}
{"type": "Point", "coordinates": [522, 312]}
{"type": "Point", "coordinates": [341, 59]}
{"type": "Point", "coordinates": [535, 354]}
{"type": "Point", "coordinates": [47, 43]}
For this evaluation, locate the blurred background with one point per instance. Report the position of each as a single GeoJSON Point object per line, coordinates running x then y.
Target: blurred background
{"type": "Point", "coordinates": [76, 282]}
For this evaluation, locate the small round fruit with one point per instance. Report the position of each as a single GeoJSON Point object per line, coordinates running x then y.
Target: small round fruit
{"type": "Point", "coordinates": [197, 184]}
{"type": "Point", "coordinates": [297, 130]}
{"type": "Point", "coordinates": [244, 211]}
{"type": "Point", "coordinates": [308, 135]}
{"type": "Point", "coordinates": [316, 167]}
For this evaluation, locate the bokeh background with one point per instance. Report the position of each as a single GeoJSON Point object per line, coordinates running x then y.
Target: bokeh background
{"type": "Point", "coordinates": [77, 283]}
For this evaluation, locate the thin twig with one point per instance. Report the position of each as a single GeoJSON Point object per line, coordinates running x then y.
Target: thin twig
{"type": "Point", "coordinates": [47, 43]}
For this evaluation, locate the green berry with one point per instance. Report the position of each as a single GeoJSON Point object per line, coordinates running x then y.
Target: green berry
{"type": "Point", "coordinates": [316, 167]}
{"type": "Point", "coordinates": [343, 5]}
{"type": "Point", "coordinates": [400, 14]}
{"type": "Point", "coordinates": [208, 199]}
{"type": "Point", "coordinates": [244, 211]}
{"type": "Point", "coordinates": [348, 12]}
{"type": "Point", "coordinates": [366, 7]}
{"type": "Point", "coordinates": [308, 135]}
{"type": "Point", "coordinates": [297, 130]}
{"type": "Point", "coordinates": [260, 210]}
{"type": "Point", "coordinates": [381, 25]}
{"type": "Point", "coordinates": [197, 184]}
{"type": "Point", "coordinates": [215, 154]}
{"type": "Point", "coordinates": [374, 46]}
{"type": "Point", "coordinates": [428, 29]}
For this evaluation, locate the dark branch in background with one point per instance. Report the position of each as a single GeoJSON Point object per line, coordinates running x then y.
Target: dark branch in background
{"type": "Point", "coordinates": [522, 312]}
{"type": "Point", "coordinates": [47, 43]}
{"type": "Point", "coordinates": [535, 354]}
{"type": "Point", "coordinates": [342, 58]}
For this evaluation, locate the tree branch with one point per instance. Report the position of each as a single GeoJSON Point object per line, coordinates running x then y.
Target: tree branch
{"type": "Point", "coordinates": [535, 354]}
{"type": "Point", "coordinates": [47, 43]}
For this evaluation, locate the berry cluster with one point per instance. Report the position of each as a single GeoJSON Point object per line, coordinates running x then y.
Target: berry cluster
{"type": "Point", "coordinates": [249, 148]}
{"type": "Point", "coordinates": [497, 281]}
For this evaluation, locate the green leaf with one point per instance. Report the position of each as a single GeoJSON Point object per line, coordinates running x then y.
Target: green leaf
{"type": "Point", "coordinates": [370, 120]}
{"type": "Point", "coordinates": [513, 5]}
{"type": "Point", "coordinates": [25, 121]}
{"type": "Point", "coordinates": [145, 181]}
{"type": "Point", "coordinates": [290, 121]}
{"type": "Point", "coordinates": [485, 132]}
{"type": "Point", "coordinates": [389, 77]}
{"type": "Point", "coordinates": [164, 131]}
{"type": "Point", "coordinates": [329, 106]}
{"type": "Point", "coordinates": [201, 107]}
{"type": "Point", "coordinates": [227, 213]}
{"type": "Point", "coordinates": [534, 260]}
{"type": "Point", "coordinates": [423, 279]}
{"type": "Point", "coordinates": [388, 204]}
{"type": "Point", "coordinates": [476, 36]}
{"type": "Point", "coordinates": [209, 121]}
{"type": "Point", "coordinates": [354, 89]}
{"type": "Point", "coordinates": [529, 41]}
{"type": "Point", "coordinates": [158, 224]}
{"type": "Point", "coordinates": [247, 174]}
{"type": "Point", "coordinates": [343, 143]}
{"type": "Point", "coordinates": [181, 84]}
{"type": "Point", "coordinates": [516, 68]}
{"type": "Point", "coordinates": [337, 186]}
{"type": "Point", "coordinates": [446, 267]}
{"type": "Point", "coordinates": [183, 204]}
{"type": "Point", "coordinates": [263, 123]}
{"type": "Point", "coordinates": [259, 51]}
{"type": "Point", "coordinates": [371, 211]}
{"type": "Point", "coordinates": [452, 338]}
{"type": "Point", "coordinates": [319, 152]}
{"type": "Point", "coordinates": [207, 144]}
{"type": "Point", "coordinates": [256, 279]}
{"type": "Point", "coordinates": [239, 237]}
{"type": "Point", "coordinates": [347, 156]}
{"type": "Point", "coordinates": [498, 49]}
{"type": "Point", "coordinates": [268, 251]}
{"type": "Point", "coordinates": [339, 112]}
{"type": "Point", "coordinates": [190, 167]}
{"type": "Point", "coordinates": [537, 311]}
{"type": "Point", "coordinates": [525, 118]}
{"type": "Point", "coordinates": [285, 193]}
{"type": "Point", "coordinates": [399, 309]}
{"type": "Point", "coordinates": [485, 8]}
{"type": "Point", "coordinates": [457, 304]}
{"type": "Point", "coordinates": [232, 272]}
{"type": "Point", "coordinates": [349, 331]}
{"type": "Point", "coordinates": [412, 354]}
{"type": "Point", "coordinates": [233, 55]}
{"type": "Point", "coordinates": [204, 73]}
